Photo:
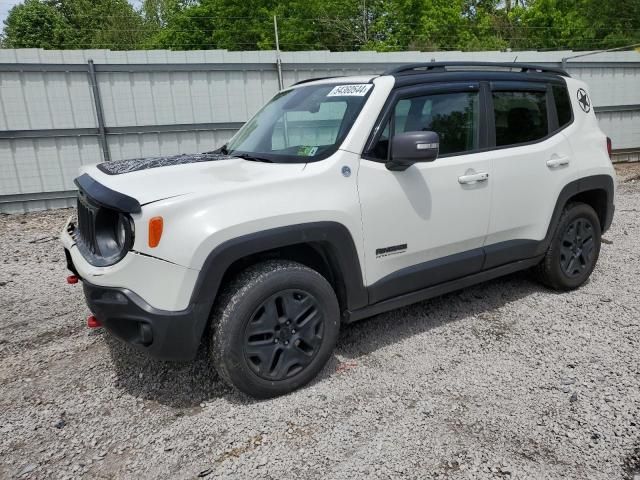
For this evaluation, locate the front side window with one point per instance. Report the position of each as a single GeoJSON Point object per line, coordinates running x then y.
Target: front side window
{"type": "Point", "coordinates": [453, 116]}
{"type": "Point", "coordinates": [301, 125]}
{"type": "Point", "coordinates": [520, 117]}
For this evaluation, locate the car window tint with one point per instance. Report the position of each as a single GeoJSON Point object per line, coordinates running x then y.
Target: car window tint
{"type": "Point", "coordinates": [563, 105]}
{"type": "Point", "coordinates": [520, 117]}
{"type": "Point", "coordinates": [453, 116]}
{"type": "Point", "coordinates": [401, 113]}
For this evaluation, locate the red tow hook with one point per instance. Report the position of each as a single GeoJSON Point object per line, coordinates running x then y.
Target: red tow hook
{"type": "Point", "coordinates": [93, 322]}
{"type": "Point", "coordinates": [72, 279]}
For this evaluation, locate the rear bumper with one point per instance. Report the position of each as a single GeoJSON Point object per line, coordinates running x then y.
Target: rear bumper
{"type": "Point", "coordinates": [162, 334]}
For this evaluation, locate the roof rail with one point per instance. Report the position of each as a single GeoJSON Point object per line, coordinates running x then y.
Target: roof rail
{"type": "Point", "coordinates": [443, 66]}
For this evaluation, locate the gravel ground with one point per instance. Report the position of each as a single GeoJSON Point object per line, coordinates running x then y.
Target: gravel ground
{"type": "Point", "coordinates": [503, 380]}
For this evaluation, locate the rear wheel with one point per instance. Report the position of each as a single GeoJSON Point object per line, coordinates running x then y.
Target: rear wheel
{"type": "Point", "coordinates": [574, 249]}
{"type": "Point", "coordinates": [274, 328]}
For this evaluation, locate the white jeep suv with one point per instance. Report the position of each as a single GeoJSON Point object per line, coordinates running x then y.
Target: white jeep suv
{"type": "Point", "coordinates": [342, 198]}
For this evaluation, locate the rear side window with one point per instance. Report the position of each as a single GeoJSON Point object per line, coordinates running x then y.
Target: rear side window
{"type": "Point", "coordinates": [520, 117]}
{"type": "Point", "coordinates": [563, 105]}
{"type": "Point", "coordinates": [453, 116]}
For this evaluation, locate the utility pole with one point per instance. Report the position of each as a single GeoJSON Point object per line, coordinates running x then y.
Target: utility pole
{"type": "Point", "coordinates": [278, 59]}
{"type": "Point", "coordinates": [364, 19]}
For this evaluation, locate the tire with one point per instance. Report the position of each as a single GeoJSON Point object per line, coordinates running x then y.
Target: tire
{"type": "Point", "coordinates": [274, 328]}
{"type": "Point", "coordinates": [574, 249]}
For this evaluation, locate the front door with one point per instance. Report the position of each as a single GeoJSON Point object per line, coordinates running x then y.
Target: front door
{"type": "Point", "coordinates": [427, 224]}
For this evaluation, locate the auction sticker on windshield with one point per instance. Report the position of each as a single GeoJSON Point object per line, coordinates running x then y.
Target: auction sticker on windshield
{"type": "Point", "coordinates": [359, 90]}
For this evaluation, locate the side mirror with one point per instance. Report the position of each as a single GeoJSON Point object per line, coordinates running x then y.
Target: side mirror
{"type": "Point", "coordinates": [410, 147]}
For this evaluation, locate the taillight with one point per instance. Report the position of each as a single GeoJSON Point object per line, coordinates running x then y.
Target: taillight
{"type": "Point", "coordinates": [609, 147]}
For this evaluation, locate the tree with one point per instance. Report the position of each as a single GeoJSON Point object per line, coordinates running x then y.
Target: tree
{"type": "Point", "coordinates": [577, 24]}
{"type": "Point", "coordinates": [213, 24]}
{"type": "Point", "coordinates": [157, 13]}
{"type": "Point", "coordinates": [74, 24]}
{"type": "Point", "coordinates": [110, 24]}
{"type": "Point", "coordinates": [35, 24]}
{"type": "Point", "coordinates": [337, 25]}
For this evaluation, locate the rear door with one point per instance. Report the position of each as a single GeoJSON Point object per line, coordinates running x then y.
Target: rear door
{"type": "Point", "coordinates": [532, 162]}
{"type": "Point", "coordinates": [427, 224]}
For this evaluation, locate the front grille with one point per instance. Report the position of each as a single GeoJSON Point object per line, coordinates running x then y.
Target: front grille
{"type": "Point", "coordinates": [85, 234]}
{"type": "Point", "coordinates": [103, 235]}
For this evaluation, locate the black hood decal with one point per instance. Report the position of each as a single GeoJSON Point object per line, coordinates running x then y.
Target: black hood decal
{"type": "Point", "coordinates": [118, 167]}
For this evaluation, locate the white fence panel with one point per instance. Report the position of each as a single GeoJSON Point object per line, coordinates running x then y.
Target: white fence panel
{"type": "Point", "coordinates": [161, 102]}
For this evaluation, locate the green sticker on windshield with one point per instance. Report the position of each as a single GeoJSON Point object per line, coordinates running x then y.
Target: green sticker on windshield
{"type": "Point", "coordinates": [307, 151]}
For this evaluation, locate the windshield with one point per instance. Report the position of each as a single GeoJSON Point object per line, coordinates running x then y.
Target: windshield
{"type": "Point", "coordinates": [302, 125]}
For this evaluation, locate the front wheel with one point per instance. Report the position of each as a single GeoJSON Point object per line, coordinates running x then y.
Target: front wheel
{"type": "Point", "coordinates": [274, 328]}
{"type": "Point", "coordinates": [574, 249]}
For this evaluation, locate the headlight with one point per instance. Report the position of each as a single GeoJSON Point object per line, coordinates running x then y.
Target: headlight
{"type": "Point", "coordinates": [122, 230]}
{"type": "Point", "coordinates": [114, 235]}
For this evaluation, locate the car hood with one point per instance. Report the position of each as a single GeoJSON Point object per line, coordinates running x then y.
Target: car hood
{"type": "Point", "coordinates": [156, 178]}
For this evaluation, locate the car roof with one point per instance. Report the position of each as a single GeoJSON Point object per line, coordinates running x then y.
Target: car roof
{"type": "Point", "coordinates": [428, 67]}
{"type": "Point", "coordinates": [435, 72]}
{"type": "Point", "coordinates": [476, 76]}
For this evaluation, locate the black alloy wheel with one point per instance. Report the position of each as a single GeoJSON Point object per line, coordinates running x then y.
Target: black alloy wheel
{"type": "Point", "coordinates": [573, 250]}
{"type": "Point", "coordinates": [274, 327]}
{"type": "Point", "coordinates": [578, 248]}
{"type": "Point", "coordinates": [283, 335]}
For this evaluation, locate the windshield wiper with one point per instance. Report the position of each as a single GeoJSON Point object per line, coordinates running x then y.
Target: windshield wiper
{"type": "Point", "coordinates": [251, 158]}
{"type": "Point", "coordinates": [222, 150]}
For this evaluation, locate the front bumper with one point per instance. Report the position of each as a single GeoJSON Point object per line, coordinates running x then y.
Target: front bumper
{"type": "Point", "coordinates": [162, 334]}
{"type": "Point", "coordinates": [161, 284]}
{"type": "Point", "coordinates": [155, 314]}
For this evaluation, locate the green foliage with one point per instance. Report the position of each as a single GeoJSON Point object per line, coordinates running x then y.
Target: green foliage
{"type": "Point", "coordinates": [63, 24]}
{"type": "Point", "coordinates": [212, 24]}
{"type": "Point", "coordinates": [577, 24]}
{"type": "Point", "coordinates": [34, 24]}
{"type": "Point", "coordinates": [337, 25]}
{"type": "Point", "coordinates": [157, 13]}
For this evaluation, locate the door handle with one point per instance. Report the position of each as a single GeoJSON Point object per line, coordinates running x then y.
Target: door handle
{"type": "Point", "coordinates": [557, 162]}
{"type": "Point", "coordinates": [473, 178]}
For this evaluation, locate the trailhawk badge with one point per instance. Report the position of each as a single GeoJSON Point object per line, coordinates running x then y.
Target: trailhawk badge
{"type": "Point", "coordinates": [392, 250]}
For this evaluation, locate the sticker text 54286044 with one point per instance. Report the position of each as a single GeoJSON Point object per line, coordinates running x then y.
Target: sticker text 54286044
{"type": "Point", "coordinates": [358, 90]}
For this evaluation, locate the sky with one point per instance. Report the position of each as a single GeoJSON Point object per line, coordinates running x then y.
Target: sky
{"type": "Point", "coordinates": [5, 6]}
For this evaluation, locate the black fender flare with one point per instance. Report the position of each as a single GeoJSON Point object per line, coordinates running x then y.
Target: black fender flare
{"type": "Point", "coordinates": [335, 239]}
{"type": "Point", "coordinates": [581, 185]}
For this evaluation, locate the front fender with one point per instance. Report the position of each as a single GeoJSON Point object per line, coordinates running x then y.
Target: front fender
{"type": "Point", "coordinates": [333, 237]}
